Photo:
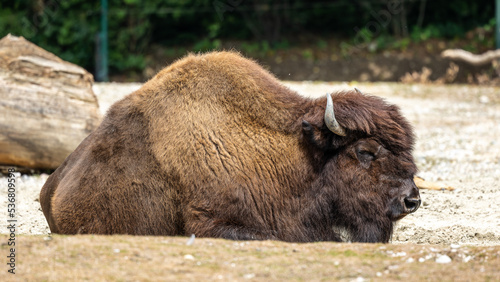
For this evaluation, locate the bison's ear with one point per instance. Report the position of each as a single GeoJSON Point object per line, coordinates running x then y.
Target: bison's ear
{"type": "Point", "coordinates": [315, 136]}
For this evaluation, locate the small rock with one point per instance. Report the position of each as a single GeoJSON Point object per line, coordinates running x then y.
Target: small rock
{"type": "Point", "coordinates": [249, 276]}
{"type": "Point", "coordinates": [443, 259]}
{"type": "Point", "coordinates": [467, 259]}
{"type": "Point", "coordinates": [484, 99]}
{"type": "Point", "coordinates": [191, 240]}
{"type": "Point", "coordinates": [393, 267]}
{"type": "Point", "coordinates": [189, 257]}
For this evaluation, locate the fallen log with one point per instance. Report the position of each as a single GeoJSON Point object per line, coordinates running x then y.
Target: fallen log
{"type": "Point", "coordinates": [47, 106]}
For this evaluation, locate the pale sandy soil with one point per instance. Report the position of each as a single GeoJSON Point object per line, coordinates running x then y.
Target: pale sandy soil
{"type": "Point", "coordinates": [458, 129]}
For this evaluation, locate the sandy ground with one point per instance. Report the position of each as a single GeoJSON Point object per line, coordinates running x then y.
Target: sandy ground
{"type": "Point", "coordinates": [458, 129]}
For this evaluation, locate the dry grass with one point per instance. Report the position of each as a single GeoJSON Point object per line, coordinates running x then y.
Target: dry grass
{"type": "Point", "coordinates": [135, 258]}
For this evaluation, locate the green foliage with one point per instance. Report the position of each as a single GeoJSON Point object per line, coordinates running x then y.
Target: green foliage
{"type": "Point", "coordinates": [69, 28]}
{"type": "Point", "coordinates": [440, 30]}
{"type": "Point", "coordinates": [258, 48]}
{"type": "Point", "coordinates": [206, 45]}
{"type": "Point", "coordinates": [322, 44]}
{"type": "Point", "coordinates": [282, 45]}
{"type": "Point", "coordinates": [308, 54]}
{"type": "Point", "coordinates": [402, 44]}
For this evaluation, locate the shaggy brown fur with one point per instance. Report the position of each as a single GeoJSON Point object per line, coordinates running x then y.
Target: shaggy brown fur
{"type": "Point", "coordinates": [216, 146]}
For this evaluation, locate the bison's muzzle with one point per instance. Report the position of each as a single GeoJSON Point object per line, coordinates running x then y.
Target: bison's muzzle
{"type": "Point", "coordinates": [408, 202]}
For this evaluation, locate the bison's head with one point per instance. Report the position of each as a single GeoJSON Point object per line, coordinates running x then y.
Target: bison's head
{"type": "Point", "coordinates": [367, 166]}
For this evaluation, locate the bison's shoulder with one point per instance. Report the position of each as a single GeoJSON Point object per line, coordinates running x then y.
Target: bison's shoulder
{"type": "Point", "coordinates": [214, 86]}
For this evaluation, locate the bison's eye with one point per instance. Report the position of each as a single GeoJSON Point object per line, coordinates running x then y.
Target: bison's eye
{"type": "Point", "coordinates": [366, 152]}
{"type": "Point", "coordinates": [365, 157]}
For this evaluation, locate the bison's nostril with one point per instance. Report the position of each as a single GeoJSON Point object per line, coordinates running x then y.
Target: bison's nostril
{"type": "Point", "coordinates": [412, 204]}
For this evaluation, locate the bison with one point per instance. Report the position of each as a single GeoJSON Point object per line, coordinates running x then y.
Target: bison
{"type": "Point", "coordinates": [216, 146]}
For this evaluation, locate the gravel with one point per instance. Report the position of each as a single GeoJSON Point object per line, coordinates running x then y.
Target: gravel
{"type": "Point", "coordinates": [458, 129]}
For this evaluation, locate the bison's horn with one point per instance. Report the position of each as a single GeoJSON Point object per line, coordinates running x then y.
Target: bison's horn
{"type": "Point", "coordinates": [330, 120]}
{"type": "Point", "coordinates": [357, 90]}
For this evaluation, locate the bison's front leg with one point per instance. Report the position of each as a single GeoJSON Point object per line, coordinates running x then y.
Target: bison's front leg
{"type": "Point", "coordinates": [233, 232]}
{"type": "Point", "coordinates": [206, 224]}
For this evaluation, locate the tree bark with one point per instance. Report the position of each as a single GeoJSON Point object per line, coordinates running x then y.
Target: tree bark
{"type": "Point", "coordinates": [47, 106]}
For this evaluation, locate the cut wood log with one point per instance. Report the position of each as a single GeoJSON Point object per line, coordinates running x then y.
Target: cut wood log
{"type": "Point", "coordinates": [47, 106]}
{"type": "Point", "coordinates": [429, 185]}
{"type": "Point", "coordinates": [472, 59]}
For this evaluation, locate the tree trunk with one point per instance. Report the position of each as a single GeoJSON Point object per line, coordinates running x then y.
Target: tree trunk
{"type": "Point", "coordinates": [47, 106]}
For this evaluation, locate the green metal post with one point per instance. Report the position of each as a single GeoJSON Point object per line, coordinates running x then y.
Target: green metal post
{"type": "Point", "coordinates": [102, 64]}
{"type": "Point", "coordinates": [497, 33]}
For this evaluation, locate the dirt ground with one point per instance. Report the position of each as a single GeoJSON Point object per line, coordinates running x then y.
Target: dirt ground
{"type": "Point", "coordinates": [458, 130]}
{"type": "Point", "coordinates": [134, 258]}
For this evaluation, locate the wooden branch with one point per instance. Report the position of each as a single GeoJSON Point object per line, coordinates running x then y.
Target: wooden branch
{"type": "Point", "coordinates": [473, 59]}
{"type": "Point", "coordinates": [422, 184]}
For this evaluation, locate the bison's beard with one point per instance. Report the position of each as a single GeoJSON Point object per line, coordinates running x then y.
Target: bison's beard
{"type": "Point", "coordinates": [343, 233]}
{"type": "Point", "coordinates": [368, 233]}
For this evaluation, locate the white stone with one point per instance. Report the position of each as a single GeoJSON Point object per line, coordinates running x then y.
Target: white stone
{"type": "Point", "coordinates": [443, 259]}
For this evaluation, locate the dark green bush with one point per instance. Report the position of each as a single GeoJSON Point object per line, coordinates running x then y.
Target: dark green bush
{"type": "Point", "coordinates": [69, 27]}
